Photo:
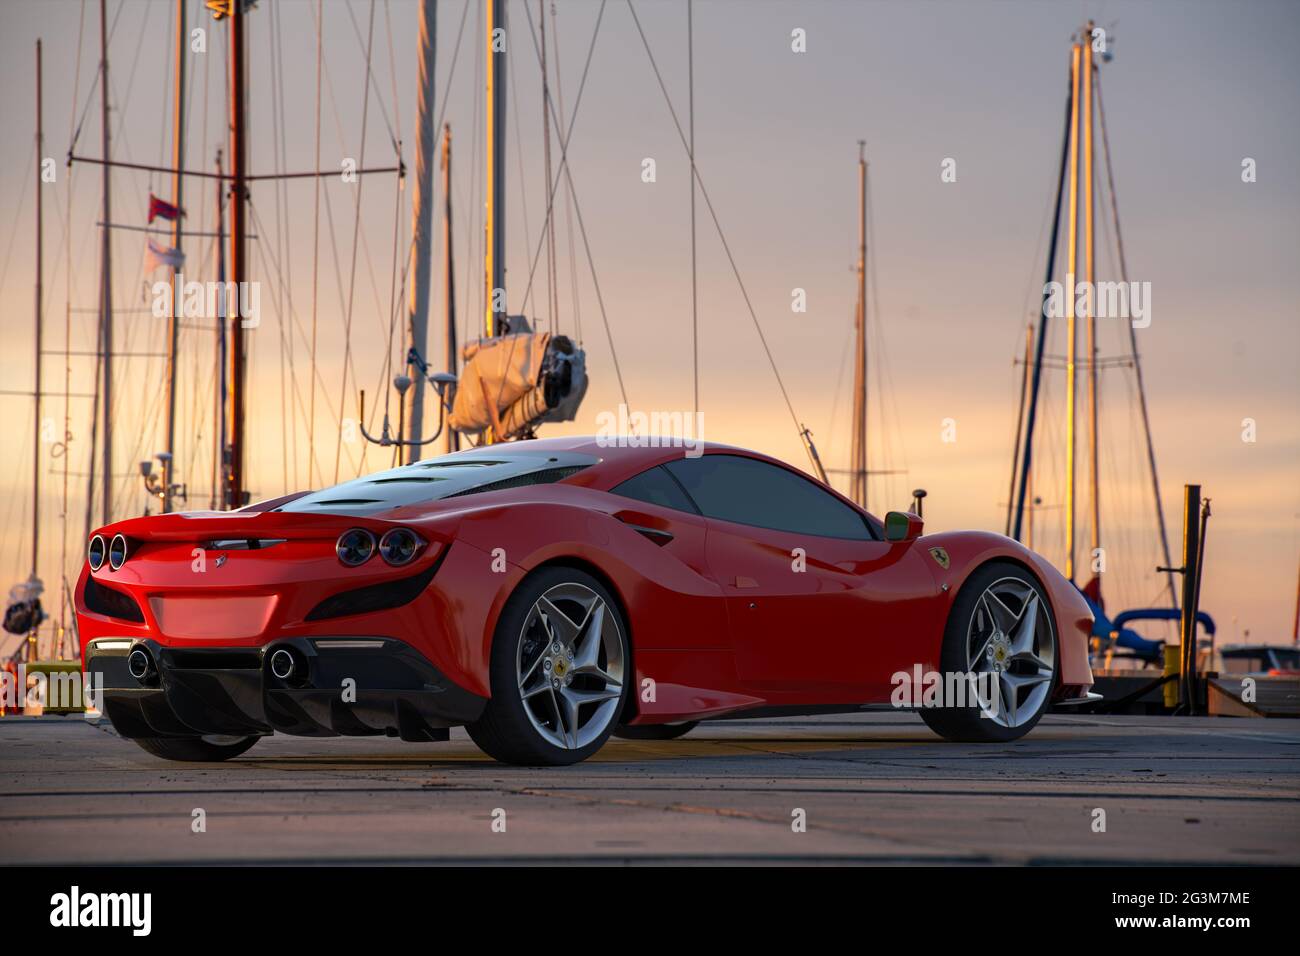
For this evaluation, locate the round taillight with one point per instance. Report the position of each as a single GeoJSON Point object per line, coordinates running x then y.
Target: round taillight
{"type": "Point", "coordinates": [97, 551]}
{"type": "Point", "coordinates": [355, 546]}
{"type": "Point", "coordinates": [400, 546]}
{"type": "Point", "coordinates": [117, 552]}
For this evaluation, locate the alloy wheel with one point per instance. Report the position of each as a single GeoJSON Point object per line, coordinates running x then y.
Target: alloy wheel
{"type": "Point", "coordinates": [1011, 652]}
{"type": "Point", "coordinates": [570, 666]}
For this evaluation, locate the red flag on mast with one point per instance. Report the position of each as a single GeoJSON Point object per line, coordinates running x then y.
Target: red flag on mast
{"type": "Point", "coordinates": [161, 209]}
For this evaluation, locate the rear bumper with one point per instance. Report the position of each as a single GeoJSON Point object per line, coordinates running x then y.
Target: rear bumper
{"type": "Point", "coordinates": [347, 685]}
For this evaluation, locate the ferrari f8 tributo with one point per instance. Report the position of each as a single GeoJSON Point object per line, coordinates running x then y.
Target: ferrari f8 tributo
{"type": "Point", "coordinates": [546, 594]}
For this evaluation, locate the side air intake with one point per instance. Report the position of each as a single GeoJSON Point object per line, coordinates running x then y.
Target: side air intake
{"type": "Point", "coordinates": [111, 602]}
{"type": "Point", "coordinates": [376, 597]}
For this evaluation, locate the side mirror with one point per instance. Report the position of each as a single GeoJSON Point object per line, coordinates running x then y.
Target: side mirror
{"type": "Point", "coordinates": [902, 526]}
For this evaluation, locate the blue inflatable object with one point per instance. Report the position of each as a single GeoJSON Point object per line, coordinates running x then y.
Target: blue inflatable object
{"type": "Point", "coordinates": [1131, 640]}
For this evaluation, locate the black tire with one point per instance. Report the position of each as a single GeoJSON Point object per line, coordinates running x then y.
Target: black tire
{"type": "Point", "coordinates": [966, 724]}
{"type": "Point", "coordinates": [505, 731]}
{"type": "Point", "coordinates": [656, 731]}
{"type": "Point", "coordinates": [193, 749]}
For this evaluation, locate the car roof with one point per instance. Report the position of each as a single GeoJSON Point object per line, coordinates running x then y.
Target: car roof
{"type": "Point", "coordinates": [594, 461]}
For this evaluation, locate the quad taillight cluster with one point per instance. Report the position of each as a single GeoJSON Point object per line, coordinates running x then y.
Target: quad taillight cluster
{"type": "Point", "coordinates": [114, 552]}
{"type": "Point", "coordinates": [355, 547]}
{"type": "Point", "coordinates": [397, 547]}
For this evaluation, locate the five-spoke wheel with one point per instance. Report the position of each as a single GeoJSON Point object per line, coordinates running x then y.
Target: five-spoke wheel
{"type": "Point", "coordinates": [559, 671]}
{"type": "Point", "coordinates": [570, 665]}
{"type": "Point", "coordinates": [999, 658]}
{"type": "Point", "coordinates": [1010, 641]}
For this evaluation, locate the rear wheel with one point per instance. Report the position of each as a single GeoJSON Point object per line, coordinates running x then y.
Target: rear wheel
{"type": "Point", "coordinates": [558, 671]}
{"type": "Point", "coordinates": [1001, 640]}
{"type": "Point", "coordinates": [196, 749]}
{"type": "Point", "coordinates": [656, 731]}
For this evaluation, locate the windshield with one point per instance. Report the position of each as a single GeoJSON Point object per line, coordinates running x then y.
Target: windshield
{"type": "Point", "coordinates": [461, 473]}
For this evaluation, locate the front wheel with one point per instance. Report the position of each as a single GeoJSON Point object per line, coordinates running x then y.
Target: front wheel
{"type": "Point", "coordinates": [196, 749]}
{"type": "Point", "coordinates": [999, 658]}
{"type": "Point", "coordinates": [559, 671]}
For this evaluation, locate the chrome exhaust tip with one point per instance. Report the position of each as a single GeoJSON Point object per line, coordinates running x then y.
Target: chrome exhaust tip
{"type": "Point", "coordinates": [283, 663]}
{"type": "Point", "coordinates": [139, 664]}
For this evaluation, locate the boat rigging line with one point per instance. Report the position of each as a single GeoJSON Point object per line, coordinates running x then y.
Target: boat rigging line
{"type": "Point", "coordinates": [804, 435]}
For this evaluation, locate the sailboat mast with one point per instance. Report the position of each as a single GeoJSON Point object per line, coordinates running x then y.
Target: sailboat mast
{"type": "Point", "coordinates": [40, 294]}
{"type": "Point", "coordinates": [1071, 335]}
{"type": "Point", "coordinates": [173, 321]}
{"type": "Point", "coordinates": [494, 221]}
{"type": "Point", "coordinates": [106, 278]}
{"type": "Point", "coordinates": [238, 262]}
{"type": "Point", "coordinates": [219, 404]}
{"type": "Point", "coordinates": [858, 481]}
{"type": "Point", "coordinates": [448, 273]}
{"type": "Point", "coordinates": [1094, 486]}
{"type": "Point", "coordinates": [422, 221]}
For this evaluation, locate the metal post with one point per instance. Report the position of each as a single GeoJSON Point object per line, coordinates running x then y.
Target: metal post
{"type": "Point", "coordinates": [106, 278]}
{"type": "Point", "coordinates": [449, 278]}
{"type": "Point", "coordinates": [220, 486]}
{"type": "Point", "coordinates": [495, 218]}
{"type": "Point", "coordinates": [1187, 628]}
{"type": "Point", "coordinates": [238, 262]}
{"type": "Point", "coordinates": [1094, 486]}
{"type": "Point", "coordinates": [173, 320]}
{"type": "Point", "coordinates": [858, 466]}
{"type": "Point", "coordinates": [40, 294]}
{"type": "Point", "coordinates": [421, 221]}
{"type": "Point", "coordinates": [1072, 257]}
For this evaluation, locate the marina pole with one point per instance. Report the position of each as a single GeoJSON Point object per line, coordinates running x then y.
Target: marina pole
{"type": "Point", "coordinates": [1094, 486]}
{"type": "Point", "coordinates": [422, 222]}
{"type": "Point", "coordinates": [1190, 569]}
{"type": "Point", "coordinates": [494, 220]}
{"type": "Point", "coordinates": [1072, 243]}
{"type": "Point", "coordinates": [448, 276]}
{"type": "Point", "coordinates": [173, 320]}
{"type": "Point", "coordinates": [40, 295]}
{"type": "Point", "coordinates": [238, 262]}
{"type": "Point", "coordinates": [858, 480]}
{"type": "Point", "coordinates": [219, 456]}
{"type": "Point", "coordinates": [106, 280]}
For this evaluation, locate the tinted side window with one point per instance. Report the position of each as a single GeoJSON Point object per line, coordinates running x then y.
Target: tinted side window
{"type": "Point", "coordinates": [656, 487]}
{"type": "Point", "coordinates": [753, 492]}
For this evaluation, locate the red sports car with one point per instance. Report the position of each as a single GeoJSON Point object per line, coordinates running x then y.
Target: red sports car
{"type": "Point", "coordinates": [545, 594]}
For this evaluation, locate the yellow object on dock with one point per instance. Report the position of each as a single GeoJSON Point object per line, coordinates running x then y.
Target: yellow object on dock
{"type": "Point", "coordinates": [61, 692]}
{"type": "Point", "coordinates": [1173, 657]}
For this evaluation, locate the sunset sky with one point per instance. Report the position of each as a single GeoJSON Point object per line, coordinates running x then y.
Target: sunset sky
{"type": "Point", "coordinates": [1194, 89]}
